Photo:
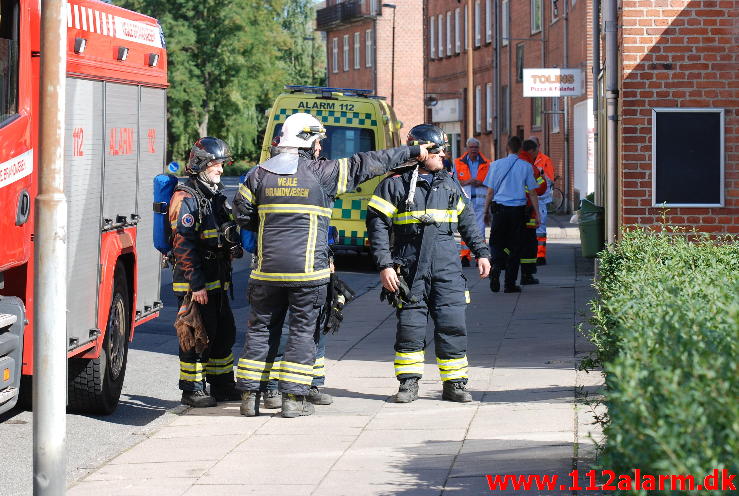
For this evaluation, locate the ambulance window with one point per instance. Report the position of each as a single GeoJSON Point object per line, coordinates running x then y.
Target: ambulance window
{"type": "Point", "coordinates": [342, 141]}
{"type": "Point", "coordinates": [8, 59]}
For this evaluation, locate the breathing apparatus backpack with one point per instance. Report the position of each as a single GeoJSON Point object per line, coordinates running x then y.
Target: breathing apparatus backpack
{"type": "Point", "coordinates": [164, 187]}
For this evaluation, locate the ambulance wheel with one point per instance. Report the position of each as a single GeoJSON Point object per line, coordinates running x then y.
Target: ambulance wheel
{"type": "Point", "coordinates": [95, 384]}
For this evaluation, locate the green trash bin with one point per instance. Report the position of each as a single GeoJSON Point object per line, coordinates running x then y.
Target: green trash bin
{"type": "Point", "coordinates": [592, 228]}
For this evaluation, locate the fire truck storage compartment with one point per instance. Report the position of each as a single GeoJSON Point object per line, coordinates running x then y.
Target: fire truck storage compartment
{"type": "Point", "coordinates": [12, 323]}
{"type": "Point", "coordinates": [115, 146]}
{"type": "Point", "coordinates": [152, 129]}
{"type": "Point", "coordinates": [83, 179]}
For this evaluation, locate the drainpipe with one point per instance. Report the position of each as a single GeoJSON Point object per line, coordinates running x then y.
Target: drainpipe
{"type": "Point", "coordinates": [496, 78]}
{"type": "Point", "coordinates": [610, 16]}
{"type": "Point", "coordinates": [596, 100]}
{"type": "Point", "coordinates": [470, 69]}
{"type": "Point", "coordinates": [50, 279]}
{"type": "Point", "coordinates": [566, 63]}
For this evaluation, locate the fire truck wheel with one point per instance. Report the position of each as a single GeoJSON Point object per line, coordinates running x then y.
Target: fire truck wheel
{"type": "Point", "coordinates": [95, 384]}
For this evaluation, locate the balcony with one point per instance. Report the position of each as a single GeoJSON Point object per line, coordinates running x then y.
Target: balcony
{"type": "Point", "coordinates": [342, 13]}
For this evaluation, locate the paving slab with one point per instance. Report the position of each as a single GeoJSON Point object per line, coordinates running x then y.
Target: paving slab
{"type": "Point", "coordinates": [526, 417]}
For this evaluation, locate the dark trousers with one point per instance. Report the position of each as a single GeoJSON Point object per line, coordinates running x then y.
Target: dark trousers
{"type": "Point", "coordinates": [269, 307]}
{"type": "Point", "coordinates": [319, 374]}
{"type": "Point", "coordinates": [216, 363]}
{"type": "Point", "coordinates": [442, 294]}
{"type": "Point", "coordinates": [505, 240]}
{"type": "Point", "coordinates": [529, 246]}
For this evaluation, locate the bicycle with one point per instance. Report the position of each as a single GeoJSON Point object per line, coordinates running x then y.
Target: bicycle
{"type": "Point", "coordinates": [558, 198]}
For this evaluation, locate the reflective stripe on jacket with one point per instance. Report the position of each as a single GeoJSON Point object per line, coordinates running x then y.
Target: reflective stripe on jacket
{"type": "Point", "coordinates": [291, 212]}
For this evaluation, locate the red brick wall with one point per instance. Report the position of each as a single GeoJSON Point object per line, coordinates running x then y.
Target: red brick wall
{"type": "Point", "coordinates": [699, 38]}
{"type": "Point", "coordinates": [362, 78]}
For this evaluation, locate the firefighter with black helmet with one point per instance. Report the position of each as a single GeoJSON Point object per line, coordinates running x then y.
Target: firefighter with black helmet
{"type": "Point", "coordinates": [204, 240]}
{"type": "Point", "coordinates": [421, 273]}
{"type": "Point", "coordinates": [287, 200]}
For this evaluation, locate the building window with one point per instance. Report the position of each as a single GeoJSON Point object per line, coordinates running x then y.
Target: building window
{"type": "Point", "coordinates": [357, 45]}
{"type": "Point", "coordinates": [675, 156]}
{"type": "Point", "coordinates": [537, 107]}
{"type": "Point", "coordinates": [346, 52]}
{"type": "Point", "coordinates": [555, 115]}
{"type": "Point", "coordinates": [449, 33]}
{"type": "Point", "coordinates": [488, 21]}
{"type": "Point", "coordinates": [335, 55]}
{"type": "Point", "coordinates": [441, 35]}
{"type": "Point", "coordinates": [505, 110]}
{"type": "Point", "coordinates": [373, 7]}
{"type": "Point", "coordinates": [519, 62]}
{"type": "Point", "coordinates": [477, 23]}
{"type": "Point", "coordinates": [8, 59]}
{"type": "Point", "coordinates": [368, 48]}
{"type": "Point", "coordinates": [478, 109]}
{"type": "Point", "coordinates": [432, 36]}
{"type": "Point", "coordinates": [504, 16]}
{"type": "Point", "coordinates": [555, 10]}
{"type": "Point", "coordinates": [457, 28]}
{"type": "Point", "coordinates": [489, 107]}
{"type": "Point", "coordinates": [466, 24]}
{"type": "Point", "coordinates": [536, 14]}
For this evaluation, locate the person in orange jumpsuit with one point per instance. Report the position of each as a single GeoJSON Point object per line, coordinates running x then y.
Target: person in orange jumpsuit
{"type": "Point", "coordinates": [544, 164]}
{"type": "Point", "coordinates": [529, 238]}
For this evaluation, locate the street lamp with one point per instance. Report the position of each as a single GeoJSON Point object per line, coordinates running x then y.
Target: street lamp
{"type": "Point", "coordinates": [392, 63]}
{"type": "Point", "coordinates": [312, 39]}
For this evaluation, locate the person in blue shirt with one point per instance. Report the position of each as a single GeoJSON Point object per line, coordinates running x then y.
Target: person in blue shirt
{"type": "Point", "coordinates": [509, 181]}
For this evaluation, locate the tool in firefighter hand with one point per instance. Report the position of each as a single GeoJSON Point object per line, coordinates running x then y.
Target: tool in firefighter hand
{"type": "Point", "coordinates": [339, 295]}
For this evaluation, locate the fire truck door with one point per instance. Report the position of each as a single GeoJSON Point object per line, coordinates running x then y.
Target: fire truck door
{"type": "Point", "coordinates": [83, 176]}
{"type": "Point", "coordinates": [152, 129]}
{"type": "Point", "coordinates": [121, 154]}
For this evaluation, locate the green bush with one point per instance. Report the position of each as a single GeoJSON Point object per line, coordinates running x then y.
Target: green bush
{"type": "Point", "coordinates": [666, 327]}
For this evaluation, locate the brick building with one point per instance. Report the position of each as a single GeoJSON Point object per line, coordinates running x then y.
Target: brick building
{"type": "Point", "coordinates": [508, 36]}
{"type": "Point", "coordinates": [359, 44]}
{"type": "Point", "coordinates": [678, 136]}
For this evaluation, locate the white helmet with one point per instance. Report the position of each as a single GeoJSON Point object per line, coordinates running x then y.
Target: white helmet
{"type": "Point", "coordinates": [301, 130]}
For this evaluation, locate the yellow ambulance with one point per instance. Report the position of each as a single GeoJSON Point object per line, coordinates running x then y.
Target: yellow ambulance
{"type": "Point", "coordinates": [355, 121]}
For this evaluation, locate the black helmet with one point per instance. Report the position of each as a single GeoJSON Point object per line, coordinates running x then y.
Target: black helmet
{"type": "Point", "coordinates": [204, 151]}
{"type": "Point", "coordinates": [428, 133]}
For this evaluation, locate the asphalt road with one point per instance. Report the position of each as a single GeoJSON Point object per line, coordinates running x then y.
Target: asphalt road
{"type": "Point", "coordinates": [150, 398]}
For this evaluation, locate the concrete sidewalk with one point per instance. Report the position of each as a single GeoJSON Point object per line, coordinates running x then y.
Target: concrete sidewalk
{"type": "Point", "coordinates": [525, 418]}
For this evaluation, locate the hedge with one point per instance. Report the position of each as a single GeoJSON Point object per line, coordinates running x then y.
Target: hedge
{"type": "Point", "coordinates": [666, 328]}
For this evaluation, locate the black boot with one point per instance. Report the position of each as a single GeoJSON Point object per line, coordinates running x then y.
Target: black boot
{"type": "Point", "coordinates": [225, 392]}
{"type": "Point", "coordinates": [407, 391]}
{"type": "Point", "coordinates": [272, 399]}
{"type": "Point", "coordinates": [528, 279]}
{"type": "Point", "coordinates": [197, 399]}
{"type": "Point", "coordinates": [512, 289]}
{"type": "Point", "coordinates": [294, 405]}
{"type": "Point", "coordinates": [249, 404]}
{"type": "Point", "coordinates": [456, 391]}
{"type": "Point", "coordinates": [316, 397]}
{"type": "Point", "coordinates": [495, 280]}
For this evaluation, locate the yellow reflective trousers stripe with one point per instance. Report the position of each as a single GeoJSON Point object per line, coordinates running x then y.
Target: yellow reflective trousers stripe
{"type": "Point", "coordinates": [409, 363]}
{"type": "Point", "coordinates": [454, 368]}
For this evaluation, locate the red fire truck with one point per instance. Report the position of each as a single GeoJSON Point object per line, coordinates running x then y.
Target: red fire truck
{"type": "Point", "coordinates": [114, 145]}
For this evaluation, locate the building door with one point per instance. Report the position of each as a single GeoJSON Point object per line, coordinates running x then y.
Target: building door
{"type": "Point", "coordinates": [583, 148]}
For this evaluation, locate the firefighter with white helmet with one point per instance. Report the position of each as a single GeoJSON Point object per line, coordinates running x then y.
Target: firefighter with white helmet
{"type": "Point", "coordinates": [287, 200]}
{"type": "Point", "coordinates": [202, 245]}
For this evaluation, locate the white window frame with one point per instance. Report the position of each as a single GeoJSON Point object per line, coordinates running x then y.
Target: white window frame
{"type": "Point", "coordinates": [357, 47]}
{"type": "Point", "coordinates": [554, 18]}
{"type": "Point", "coordinates": [489, 107]}
{"type": "Point", "coordinates": [505, 100]}
{"type": "Point", "coordinates": [555, 115]}
{"type": "Point", "coordinates": [488, 21]}
{"type": "Point", "coordinates": [449, 33]}
{"type": "Point", "coordinates": [432, 37]}
{"type": "Point", "coordinates": [478, 109]}
{"type": "Point", "coordinates": [334, 55]}
{"type": "Point", "coordinates": [466, 27]}
{"type": "Point", "coordinates": [722, 167]}
{"type": "Point", "coordinates": [373, 7]}
{"type": "Point", "coordinates": [440, 20]}
{"type": "Point", "coordinates": [346, 52]}
{"type": "Point", "coordinates": [457, 31]}
{"type": "Point", "coordinates": [478, 37]}
{"type": "Point", "coordinates": [505, 27]}
{"type": "Point", "coordinates": [368, 48]}
{"type": "Point", "coordinates": [534, 27]}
